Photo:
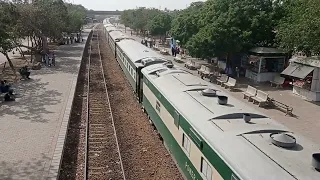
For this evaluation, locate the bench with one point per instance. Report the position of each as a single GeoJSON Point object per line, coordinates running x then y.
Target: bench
{"type": "Point", "coordinates": [287, 109]}
{"type": "Point", "coordinates": [261, 98]}
{"type": "Point", "coordinates": [202, 69]}
{"type": "Point", "coordinates": [223, 79]}
{"type": "Point", "coordinates": [178, 59]}
{"type": "Point", "coordinates": [155, 47]}
{"type": "Point", "coordinates": [250, 92]}
{"type": "Point", "coordinates": [231, 83]}
{"type": "Point", "coordinates": [36, 66]}
{"type": "Point", "coordinates": [164, 52]}
{"type": "Point", "coordinates": [190, 65]}
{"type": "Point", "coordinates": [278, 81]}
{"type": "Point", "coordinates": [207, 72]}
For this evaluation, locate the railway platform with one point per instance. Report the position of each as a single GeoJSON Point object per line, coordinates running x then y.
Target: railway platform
{"type": "Point", "coordinates": [33, 128]}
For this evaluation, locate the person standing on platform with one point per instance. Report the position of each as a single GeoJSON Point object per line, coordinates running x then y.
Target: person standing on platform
{"type": "Point", "coordinates": [173, 47]}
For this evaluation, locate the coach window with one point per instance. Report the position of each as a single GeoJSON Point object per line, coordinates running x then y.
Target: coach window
{"type": "Point", "coordinates": [176, 119]}
{"type": "Point", "coordinates": [186, 143]}
{"type": "Point", "coordinates": [206, 169]}
{"type": "Point", "coordinates": [158, 106]}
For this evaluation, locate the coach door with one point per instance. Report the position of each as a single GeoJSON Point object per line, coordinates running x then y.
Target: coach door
{"type": "Point", "coordinates": [139, 84]}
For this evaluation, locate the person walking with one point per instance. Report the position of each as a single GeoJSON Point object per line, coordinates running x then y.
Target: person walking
{"type": "Point", "coordinates": [173, 47]}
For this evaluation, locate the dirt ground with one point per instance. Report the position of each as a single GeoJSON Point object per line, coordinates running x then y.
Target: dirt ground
{"type": "Point", "coordinates": [6, 72]}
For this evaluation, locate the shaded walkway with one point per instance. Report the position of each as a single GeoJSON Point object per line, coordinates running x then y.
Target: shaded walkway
{"type": "Point", "coordinates": [30, 126]}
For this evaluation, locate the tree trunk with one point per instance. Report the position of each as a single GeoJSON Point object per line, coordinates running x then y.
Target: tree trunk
{"type": "Point", "coordinates": [11, 64]}
{"type": "Point", "coordinates": [45, 44]}
{"type": "Point", "coordinates": [21, 53]}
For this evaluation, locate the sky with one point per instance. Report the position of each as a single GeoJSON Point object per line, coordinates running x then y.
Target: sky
{"type": "Point", "coordinates": [111, 5]}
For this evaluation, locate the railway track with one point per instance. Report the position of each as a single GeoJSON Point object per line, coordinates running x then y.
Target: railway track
{"type": "Point", "coordinates": [92, 150]}
{"type": "Point", "coordinates": [102, 154]}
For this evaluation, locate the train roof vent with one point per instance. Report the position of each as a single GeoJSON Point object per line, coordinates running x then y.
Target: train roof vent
{"type": "Point", "coordinates": [316, 161]}
{"type": "Point", "coordinates": [169, 64]}
{"type": "Point", "coordinates": [209, 92]}
{"type": "Point", "coordinates": [283, 140]}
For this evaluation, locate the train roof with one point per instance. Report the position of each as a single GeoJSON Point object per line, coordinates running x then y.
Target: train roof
{"type": "Point", "coordinates": [108, 25]}
{"type": "Point", "coordinates": [118, 35]}
{"type": "Point", "coordinates": [245, 147]}
{"type": "Point", "coordinates": [138, 53]}
{"type": "Point", "coordinates": [112, 28]}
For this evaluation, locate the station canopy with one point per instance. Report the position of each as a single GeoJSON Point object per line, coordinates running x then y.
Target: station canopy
{"type": "Point", "coordinates": [267, 51]}
{"type": "Point", "coordinates": [300, 71]}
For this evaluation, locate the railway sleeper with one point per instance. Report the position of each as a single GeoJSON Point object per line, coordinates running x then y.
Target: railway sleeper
{"type": "Point", "coordinates": [96, 134]}
{"type": "Point", "coordinates": [97, 108]}
{"type": "Point", "coordinates": [97, 147]}
{"type": "Point", "coordinates": [96, 168]}
{"type": "Point", "coordinates": [97, 142]}
{"type": "Point", "coordinates": [97, 124]}
{"type": "Point", "coordinates": [91, 138]}
{"type": "Point", "coordinates": [96, 113]}
{"type": "Point", "coordinates": [94, 152]}
{"type": "Point", "coordinates": [94, 173]}
{"type": "Point", "coordinates": [97, 131]}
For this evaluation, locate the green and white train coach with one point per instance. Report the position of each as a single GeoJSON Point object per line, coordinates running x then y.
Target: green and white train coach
{"type": "Point", "coordinates": [213, 142]}
{"type": "Point", "coordinates": [132, 56]}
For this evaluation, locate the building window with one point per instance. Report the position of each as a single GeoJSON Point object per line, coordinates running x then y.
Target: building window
{"type": "Point", "coordinates": [158, 106]}
{"type": "Point", "coordinates": [206, 169]}
{"type": "Point", "coordinates": [186, 143]}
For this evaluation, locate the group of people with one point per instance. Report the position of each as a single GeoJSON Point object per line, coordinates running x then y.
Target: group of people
{"type": "Point", "coordinates": [175, 51]}
{"type": "Point", "coordinates": [148, 42]}
{"type": "Point", "coordinates": [5, 88]}
{"type": "Point", "coordinates": [174, 48]}
{"type": "Point", "coordinates": [49, 59]}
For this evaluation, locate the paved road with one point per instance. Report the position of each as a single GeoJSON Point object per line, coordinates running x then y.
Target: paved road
{"type": "Point", "coordinates": [33, 128]}
{"type": "Point", "coordinates": [306, 122]}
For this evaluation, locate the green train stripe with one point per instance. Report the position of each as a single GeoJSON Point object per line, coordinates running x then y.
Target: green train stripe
{"type": "Point", "coordinates": [183, 161]}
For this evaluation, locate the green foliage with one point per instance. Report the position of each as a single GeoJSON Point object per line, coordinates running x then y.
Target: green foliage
{"type": "Point", "coordinates": [160, 24]}
{"type": "Point", "coordinates": [300, 29]}
{"type": "Point", "coordinates": [187, 22]}
{"type": "Point", "coordinates": [39, 20]}
{"type": "Point", "coordinates": [230, 26]}
{"type": "Point", "coordinates": [138, 19]}
{"type": "Point", "coordinates": [76, 17]}
{"type": "Point", "coordinates": [8, 19]}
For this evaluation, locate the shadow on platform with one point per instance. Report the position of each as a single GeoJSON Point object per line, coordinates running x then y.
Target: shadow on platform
{"type": "Point", "coordinates": [31, 101]}
{"type": "Point", "coordinates": [23, 170]}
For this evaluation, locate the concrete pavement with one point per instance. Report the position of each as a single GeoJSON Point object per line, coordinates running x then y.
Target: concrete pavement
{"type": "Point", "coordinates": [33, 128]}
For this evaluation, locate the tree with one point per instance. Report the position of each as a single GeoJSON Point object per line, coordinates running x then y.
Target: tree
{"type": "Point", "coordinates": [186, 23]}
{"type": "Point", "coordinates": [138, 19]}
{"type": "Point", "coordinates": [300, 29]}
{"type": "Point", "coordinates": [160, 24]}
{"type": "Point", "coordinates": [76, 17]}
{"type": "Point", "coordinates": [8, 19]}
{"type": "Point", "coordinates": [126, 17]}
{"type": "Point", "coordinates": [38, 20]}
{"type": "Point", "coordinates": [230, 27]}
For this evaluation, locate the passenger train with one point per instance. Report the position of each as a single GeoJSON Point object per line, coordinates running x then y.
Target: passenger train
{"type": "Point", "coordinates": [210, 138]}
